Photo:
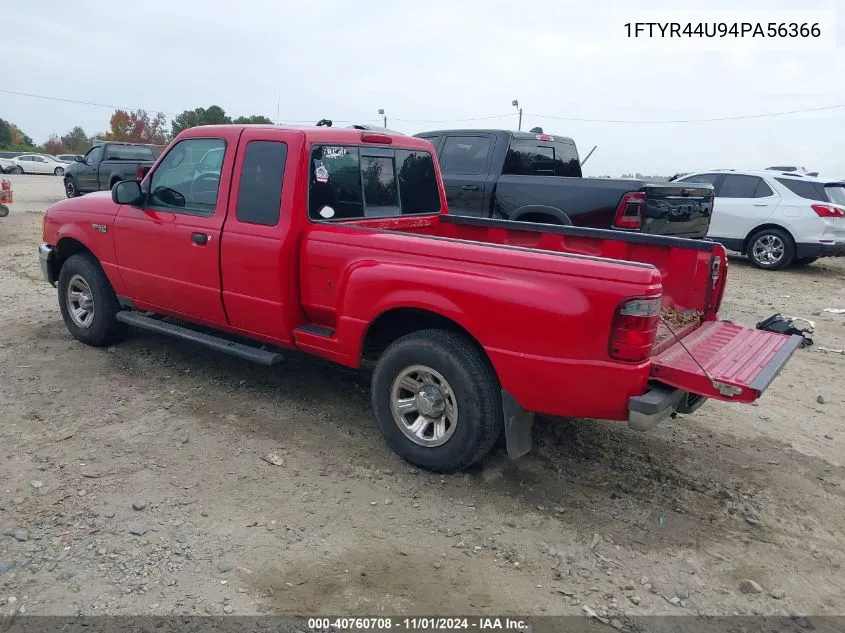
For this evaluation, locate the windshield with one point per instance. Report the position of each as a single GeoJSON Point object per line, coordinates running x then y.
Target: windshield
{"type": "Point", "coordinates": [836, 193]}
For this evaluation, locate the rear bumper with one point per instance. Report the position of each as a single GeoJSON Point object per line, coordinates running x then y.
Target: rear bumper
{"type": "Point", "coordinates": [836, 249]}
{"type": "Point", "coordinates": [659, 403]}
{"type": "Point", "coordinates": [47, 259]}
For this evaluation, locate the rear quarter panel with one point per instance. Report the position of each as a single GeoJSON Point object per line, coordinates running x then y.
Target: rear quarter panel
{"type": "Point", "coordinates": [543, 319]}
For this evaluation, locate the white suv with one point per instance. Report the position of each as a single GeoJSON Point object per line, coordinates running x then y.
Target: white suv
{"type": "Point", "coordinates": [775, 218]}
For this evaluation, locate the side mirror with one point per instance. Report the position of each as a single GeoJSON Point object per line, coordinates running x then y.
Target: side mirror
{"type": "Point", "coordinates": [126, 192]}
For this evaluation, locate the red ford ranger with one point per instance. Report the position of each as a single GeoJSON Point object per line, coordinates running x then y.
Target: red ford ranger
{"type": "Point", "coordinates": [253, 240]}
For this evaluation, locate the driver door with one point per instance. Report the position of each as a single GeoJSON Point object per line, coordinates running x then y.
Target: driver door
{"type": "Point", "coordinates": [168, 248]}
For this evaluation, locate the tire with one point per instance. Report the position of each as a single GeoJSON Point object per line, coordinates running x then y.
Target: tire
{"type": "Point", "coordinates": [71, 190]}
{"type": "Point", "coordinates": [114, 181]}
{"type": "Point", "coordinates": [97, 325]}
{"type": "Point", "coordinates": [467, 385]}
{"type": "Point", "coordinates": [804, 261]}
{"type": "Point", "coordinates": [770, 249]}
{"type": "Point", "coordinates": [59, 171]}
{"type": "Point", "coordinates": [17, 169]}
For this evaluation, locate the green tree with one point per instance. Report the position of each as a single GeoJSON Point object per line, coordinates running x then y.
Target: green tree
{"type": "Point", "coordinates": [255, 118]}
{"type": "Point", "coordinates": [12, 137]}
{"type": "Point", "coordinates": [213, 115]}
{"type": "Point", "coordinates": [76, 141]}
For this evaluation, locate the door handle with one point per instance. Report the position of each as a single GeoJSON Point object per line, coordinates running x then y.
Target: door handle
{"type": "Point", "coordinates": [761, 204]}
{"type": "Point", "coordinates": [470, 187]}
{"type": "Point", "coordinates": [200, 239]}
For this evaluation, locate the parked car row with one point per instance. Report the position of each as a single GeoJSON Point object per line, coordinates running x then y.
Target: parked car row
{"type": "Point", "coordinates": [32, 163]}
{"type": "Point", "coordinates": [776, 218]}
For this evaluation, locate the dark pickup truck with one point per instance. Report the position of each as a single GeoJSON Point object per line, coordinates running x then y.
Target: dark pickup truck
{"type": "Point", "coordinates": [106, 164]}
{"type": "Point", "coordinates": [536, 177]}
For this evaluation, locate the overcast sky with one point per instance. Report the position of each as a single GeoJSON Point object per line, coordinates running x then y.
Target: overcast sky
{"type": "Point", "coordinates": [436, 64]}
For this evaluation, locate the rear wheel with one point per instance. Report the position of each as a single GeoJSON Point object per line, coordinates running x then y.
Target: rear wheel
{"type": "Point", "coordinates": [59, 171]}
{"type": "Point", "coordinates": [437, 400]}
{"type": "Point", "coordinates": [771, 249]}
{"type": "Point", "coordinates": [88, 302]}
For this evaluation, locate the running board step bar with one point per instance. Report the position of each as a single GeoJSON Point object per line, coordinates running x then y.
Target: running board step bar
{"type": "Point", "coordinates": [247, 352]}
{"type": "Point", "coordinates": [316, 330]}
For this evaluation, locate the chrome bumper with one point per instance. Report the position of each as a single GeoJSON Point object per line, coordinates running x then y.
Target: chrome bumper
{"type": "Point", "coordinates": [47, 258]}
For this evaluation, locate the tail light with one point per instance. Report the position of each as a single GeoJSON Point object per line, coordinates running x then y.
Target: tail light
{"type": "Point", "coordinates": [828, 211]}
{"type": "Point", "coordinates": [630, 212]}
{"type": "Point", "coordinates": [139, 173]}
{"type": "Point", "coordinates": [634, 329]}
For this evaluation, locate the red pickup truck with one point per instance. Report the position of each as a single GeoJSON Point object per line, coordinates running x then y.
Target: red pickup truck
{"type": "Point", "coordinates": [253, 240]}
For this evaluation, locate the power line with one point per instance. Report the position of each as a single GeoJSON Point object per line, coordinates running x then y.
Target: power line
{"type": "Point", "coordinates": [707, 120]}
{"type": "Point", "coordinates": [480, 118]}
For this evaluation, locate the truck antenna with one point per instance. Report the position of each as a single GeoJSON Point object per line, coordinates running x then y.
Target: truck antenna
{"type": "Point", "coordinates": [588, 155]}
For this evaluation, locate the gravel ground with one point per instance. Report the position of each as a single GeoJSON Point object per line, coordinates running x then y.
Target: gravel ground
{"type": "Point", "coordinates": [132, 482]}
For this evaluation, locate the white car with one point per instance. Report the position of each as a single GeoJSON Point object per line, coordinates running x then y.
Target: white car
{"type": "Point", "coordinates": [775, 218]}
{"type": "Point", "coordinates": [37, 164]}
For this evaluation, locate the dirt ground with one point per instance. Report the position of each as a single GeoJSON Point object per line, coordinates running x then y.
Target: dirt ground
{"type": "Point", "coordinates": [131, 482]}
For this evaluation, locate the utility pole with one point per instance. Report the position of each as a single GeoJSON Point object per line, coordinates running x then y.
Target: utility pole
{"type": "Point", "coordinates": [384, 116]}
{"type": "Point", "coordinates": [515, 104]}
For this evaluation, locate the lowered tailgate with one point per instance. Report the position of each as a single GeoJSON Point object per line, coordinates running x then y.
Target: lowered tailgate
{"type": "Point", "coordinates": [725, 361]}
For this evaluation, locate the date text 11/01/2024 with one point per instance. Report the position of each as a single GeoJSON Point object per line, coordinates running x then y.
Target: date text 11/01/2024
{"type": "Point", "coordinates": [419, 624]}
{"type": "Point", "coordinates": [723, 29]}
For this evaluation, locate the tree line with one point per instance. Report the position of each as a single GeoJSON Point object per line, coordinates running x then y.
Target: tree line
{"type": "Point", "coordinates": [129, 126]}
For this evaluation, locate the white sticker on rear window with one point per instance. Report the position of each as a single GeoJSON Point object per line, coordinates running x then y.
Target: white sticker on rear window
{"type": "Point", "coordinates": [327, 212]}
{"type": "Point", "coordinates": [331, 151]}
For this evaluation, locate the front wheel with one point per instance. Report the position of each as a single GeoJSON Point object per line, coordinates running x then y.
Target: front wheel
{"type": "Point", "coordinates": [71, 190]}
{"type": "Point", "coordinates": [88, 302]}
{"type": "Point", "coordinates": [437, 400]}
{"type": "Point", "coordinates": [59, 171]}
{"type": "Point", "coordinates": [771, 249]}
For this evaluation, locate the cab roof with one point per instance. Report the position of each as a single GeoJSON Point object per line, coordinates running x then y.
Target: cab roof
{"type": "Point", "coordinates": [324, 134]}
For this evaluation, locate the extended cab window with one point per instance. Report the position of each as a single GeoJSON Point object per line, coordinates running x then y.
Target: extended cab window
{"type": "Point", "coordinates": [260, 189]}
{"type": "Point", "coordinates": [464, 154]}
{"type": "Point", "coordinates": [528, 157]}
{"type": "Point", "coordinates": [354, 182]}
{"type": "Point", "coordinates": [181, 183]}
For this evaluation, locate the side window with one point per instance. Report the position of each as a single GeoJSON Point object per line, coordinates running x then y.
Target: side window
{"type": "Point", "coordinates": [805, 188]}
{"type": "Point", "coordinates": [38, 159]}
{"type": "Point", "coordinates": [736, 186]}
{"type": "Point", "coordinates": [94, 154]}
{"type": "Point", "coordinates": [709, 179]}
{"type": "Point", "coordinates": [351, 182]}
{"type": "Point", "coordinates": [464, 154]}
{"type": "Point", "coordinates": [433, 139]}
{"type": "Point", "coordinates": [260, 189]}
{"type": "Point", "coordinates": [178, 184]}
{"type": "Point", "coordinates": [763, 190]}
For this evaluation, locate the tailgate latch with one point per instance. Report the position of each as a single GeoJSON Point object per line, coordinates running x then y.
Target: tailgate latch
{"type": "Point", "coordinates": [724, 388]}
